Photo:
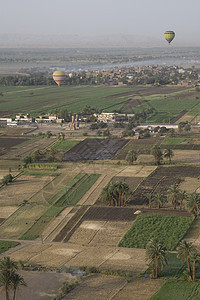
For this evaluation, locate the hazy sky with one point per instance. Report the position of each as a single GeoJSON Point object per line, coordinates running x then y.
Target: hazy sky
{"type": "Point", "coordinates": [89, 17]}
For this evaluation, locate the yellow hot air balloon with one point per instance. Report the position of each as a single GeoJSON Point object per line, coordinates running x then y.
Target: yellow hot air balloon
{"type": "Point", "coordinates": [58, 77]}
{"type": "Point", "coordinates": [169, 36]}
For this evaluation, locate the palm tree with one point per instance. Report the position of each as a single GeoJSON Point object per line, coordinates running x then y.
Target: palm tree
{"type": "Point", "coordinates": [7, 269]}
{"type": "Point", "coordinates": [194, 258]}
{"type": "Point", "coordinates": [193, 203]}
{"type": "Point", "coordinates": [157, 153]}
{"type": "Point", "coordinates": [173, 195]}
{"type": "Point", "coordinates": [17, 280]}
{"type": "Point", "coordinates": [131, 156]}
{"type": "Point", "coordinates": [159, 200]}
{"type": "Point", "coordinates": [168, 153]}
{"type": "Point", "coordinates": [185, 249]}
{"type": "Point", "coordinates": [150, 198]}
{"type": "Point", "coordinates": [182, 195]}
{"type": "Point", "coordinates": [115, 193]}
{"type": "Point", "coordinates": [156, 255]}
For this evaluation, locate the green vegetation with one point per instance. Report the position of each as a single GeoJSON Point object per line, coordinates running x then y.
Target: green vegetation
{"type": "Point", "coordinates": [72, 98]}
{"type": "Point", "coordinates": [179, 290]}
{"type": "Point", "coordinates": [166, 108]}
{"type": "Point", "coordinates": [76, 194]}
{"type": "Point", "coordinates": [64, 145]}
{"type": "Point", "coordinates": [174, 266]}
{"type": "Point", "coordinates": [6, 245]}
{"type": "Point", "coordinates": [176, 140]}
{"type": "Point", "coordinates": [61, 193]}
{"type": "Point", "coordinates": [69, 195]}
{"type": "Point", "coordinates": [147, 227]}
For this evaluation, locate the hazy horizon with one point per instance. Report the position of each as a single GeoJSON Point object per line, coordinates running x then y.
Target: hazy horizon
{"type": "Point", "coordinates": [141, 19]}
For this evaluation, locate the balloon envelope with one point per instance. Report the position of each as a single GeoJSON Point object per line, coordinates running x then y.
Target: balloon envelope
{"type": "Point", "coordinates": [169, 36]}
{"type": "Point", "coordinates": [58, 77]}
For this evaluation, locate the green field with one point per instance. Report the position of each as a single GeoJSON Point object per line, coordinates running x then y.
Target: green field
{"type": "Point", "coordinates": [69, 195]}
{"type": "Point", "coordinates": [6, 245]}
{"type": "Point", "coordinates": [147, 227]}
{"type": "Point", "coordinates": [178, 290]}
{"type": "Point", "coordinates": [67, 188]}
{"type": "Point", "coordinates": [176, 141]}
{"type": "Point", "coordinates": [166, 109]}
{"type": "Point", "coordinates": [74, 195]}
{"type": "Point", "coordinates": [64, 145]}
{"type": "Point", "coordinates": [45, 99]}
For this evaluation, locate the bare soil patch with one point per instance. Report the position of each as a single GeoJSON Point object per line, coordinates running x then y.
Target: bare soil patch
{"type": "Point", "coordinates": [23, 188]}
{"type": "Point", "coordinates": [139, 289]}
{"type": "Point", "coordinates": [161, 179]}
{"type": "Point", "coordinates": [95, 149]}
{"type": "Point", "coordinates": [78, 255]}
{"type": "Point", "coordinates": [38, 286]}
{"type": "Point", "coordinates": [6, 211]}
{"type": "Point", "coordinates": [26, 149]}
{"type": "Point", "coordinates": [97, 287]}
{"type": "Point", "coordinates": [9, 142]}
{"type": "Point", "coordinates": [190, 185]}
{"type": "Point", "coordinates": [142, 146]}
{"type": "Point", "coordinates": [100, 232]}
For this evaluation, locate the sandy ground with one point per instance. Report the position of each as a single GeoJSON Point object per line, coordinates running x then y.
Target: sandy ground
{"type": "Point", "coordinates": [109, 287]}
{"type": "Point", "coordinates": [190, 185]}
{"type": "Point", "coordinates": [55, 254]}
{"type": "Point", "coordinates": [185, 156]}
{"type": "Point", "coordinates": [6, 211]}
{"type": "Point", "coordinates": [47, 283]}
{"type": "Point", "coordinates": [100, 233]}
{"type": "Point", "coordinates": [23, 188]}
{"type": "Point", "coordinates": [137, 171]}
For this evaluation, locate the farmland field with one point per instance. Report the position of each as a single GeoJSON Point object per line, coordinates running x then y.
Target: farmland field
{"type": "Point", "coordinates": [161, 179]}
{"type": "Point", "coordinates": [165, 100]}
{"type": "Point", "coordinates": [95, 149]}
{"type": "Point", "coordinates": [147, 227]}
{"type": "Point", "coordinates": [21, 220]}
{"type": "Point", "coordinates": [56, 254]}
{"type": "Point", "coordinates": [117, 288]}
{"type": "Point", "coordinates": [23, 188]}
{"type": "Point", "coordinates": [5, 245]}
{"type": "Point", "coordinates": [179, 290]}
{"type": "Point", "coordinates": [73, 98]}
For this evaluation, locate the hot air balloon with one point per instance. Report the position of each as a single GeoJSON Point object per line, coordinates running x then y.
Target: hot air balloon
{"type": "Point", "coordinates": [169, 36]}
{"type": "Point", "coordinates": [58, 77]}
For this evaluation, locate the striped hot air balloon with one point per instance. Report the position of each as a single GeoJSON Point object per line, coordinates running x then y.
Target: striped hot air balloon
{"type": "Point", "coordinates": [58, 77]}
{"type": "Point", "coordinates": [169, 36]}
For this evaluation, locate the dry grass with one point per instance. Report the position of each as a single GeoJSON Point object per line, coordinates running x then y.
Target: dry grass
{"type": "Point", "coordinates": [137, 171]}
{"type": "Point", "coordinates": [79, 255]}
{"type": "Point", "coordinates": [6, 211]}
{"type": "Point", "coordinates": [100, 232]}
{"type": "Point", "coordinates": [23, 188]}
{"type": "Point", "coordinates": [190, 185]}
{"type": "Point", "coordinates": [21, 221]}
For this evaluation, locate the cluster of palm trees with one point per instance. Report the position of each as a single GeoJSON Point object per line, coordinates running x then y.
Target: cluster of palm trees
{"type": "Point", "coordinates": [159, 155]}
{"type": "Point", "coordinates": [9, 278]}
{"type": "Point", "coordinates": [176, 196]}
{"type": "Point", "coordinates": [115, 193]}
{"type": "Point", "coordinates": [156, 255]}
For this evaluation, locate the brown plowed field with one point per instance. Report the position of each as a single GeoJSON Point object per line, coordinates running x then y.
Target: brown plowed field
{"type": "Point", "coordinates": [95, 149]}
{"type": "Point", "coordinates": [96, 213]}
{"type": "Point", "coordinates": [9, 142]}
{"type": "Point", "coordinates": [71, 226]}
{"type": "Point", "coordinates": [142, 146]}
{"type": "Point", "coordinates": [115, 288]}
{"type": "Point", "coordinates": [161, 179]}
{"type": "Point", "coordinates": [132, 182]}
